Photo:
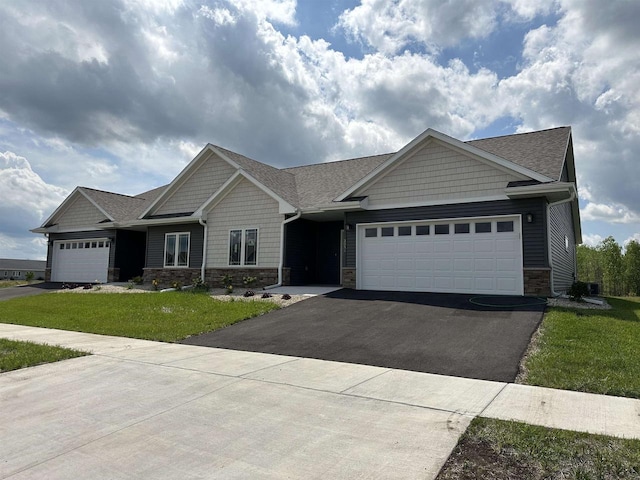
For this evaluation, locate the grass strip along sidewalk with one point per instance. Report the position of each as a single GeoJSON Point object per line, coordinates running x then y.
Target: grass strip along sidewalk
{"type": "Point", "coordinates": [165, 317]}
{"type": "Point", "coordinates": [593, 351]}
{"type": "Point", "coordinates": [16, 354]}
{"type": "Point", "coordinates": [496, 449]}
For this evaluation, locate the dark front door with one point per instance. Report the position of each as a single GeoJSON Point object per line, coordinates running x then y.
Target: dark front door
{"type": "Point", "coordinates": [328, 253]}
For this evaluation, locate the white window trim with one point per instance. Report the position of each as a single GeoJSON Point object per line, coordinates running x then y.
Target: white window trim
{"type": "Point", "coordinates": [242, 247]}
{"type": "Point", "coordinates": [175, 253]}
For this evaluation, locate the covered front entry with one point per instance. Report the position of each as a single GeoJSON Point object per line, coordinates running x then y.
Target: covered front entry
{"type": "Point", "coordinates": [313, 252]}
{"type": "Point", "coordinates": [80, 260]}
{"type": "Point", "coordinates": [473, 255]}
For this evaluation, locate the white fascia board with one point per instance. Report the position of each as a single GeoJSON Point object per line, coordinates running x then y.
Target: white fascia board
{"type": "Point", "coordinates": [157, 221]}
{"type": "Point", "coordinates": [464, 147]}
{"type": "Point", "coordinates": [56, 229]}
{"type": "Point", "coordinates": [431, 203]}
{"type": "Point", "coordinates": [541, 189]}
{"type": "Point", "coordinates": [354, 205]}
{"type": "Point", "coordinates": [284, 207]}
{"type": "Point", "coordinates": [185, 174]}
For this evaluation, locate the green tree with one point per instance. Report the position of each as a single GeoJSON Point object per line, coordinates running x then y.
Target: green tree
{"type": "Point", "coordinates": [612, 266]}
{"type": "Point", "coordinates": [632, 267]}
{"type": "Point", "coordinates": [589, 264]}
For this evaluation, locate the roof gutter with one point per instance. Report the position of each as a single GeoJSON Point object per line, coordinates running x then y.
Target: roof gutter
{"type": "Point", "coordinates": [281, 264]}
{"type": "Point", "coordinates": [204, 249]}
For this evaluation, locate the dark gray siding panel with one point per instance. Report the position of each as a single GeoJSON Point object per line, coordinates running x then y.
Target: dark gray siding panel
{"type": "Point", "coordinates": [155, 243]}
{"type": "Point", "coordinates": [562, 258]}
{"type": "Point", "coordinates": [91, 234]}
{"type": "Point", "coordinates": [534, 234]}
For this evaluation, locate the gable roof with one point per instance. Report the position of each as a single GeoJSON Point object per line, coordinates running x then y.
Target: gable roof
{"type": "Point", "coordinates": [536, 155]}
{"type": "Point", "coordinates": [429, 135]}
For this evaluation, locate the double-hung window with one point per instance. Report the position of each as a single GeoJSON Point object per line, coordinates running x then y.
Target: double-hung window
{"type": "Point", "coordinates": [243, 246]}
{"type": "Point", "coordinates": [176, 249]}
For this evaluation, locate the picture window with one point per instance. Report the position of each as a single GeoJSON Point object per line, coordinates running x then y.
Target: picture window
{"type": "Point", "coordinates": [176, 249]}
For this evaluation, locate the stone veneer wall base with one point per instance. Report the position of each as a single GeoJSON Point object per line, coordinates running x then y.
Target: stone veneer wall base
{"type": "Point", "coordinates": [213, 276]}
{"type": "Point", "coordinates": [537, 282]}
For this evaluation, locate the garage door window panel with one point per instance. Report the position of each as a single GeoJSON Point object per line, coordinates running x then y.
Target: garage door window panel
{"type": "Point", "coordinates": [442, 229]}
{"type": "Point", "coordinates": [387, 231]}
{"type": "Point", "coordinates": [461, 228]}
{"type": "Point", "coordinates": [176, 250]}
{"type": "Point", "coordinates": [483, 227]}
{"type": "Point", "coordinates": [504, 226]}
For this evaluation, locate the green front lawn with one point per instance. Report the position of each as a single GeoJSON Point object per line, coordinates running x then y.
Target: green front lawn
{"type": "Point", "coordinates": [15, 354]}
{"type": "Point", "coordinates": [12, 283]}
{"type": "Point", "coordinates": [498, 449]}
{"type": "Point", "coordinates": [166, 317]}
{"type": "Point", "coordinates": [595, 351]}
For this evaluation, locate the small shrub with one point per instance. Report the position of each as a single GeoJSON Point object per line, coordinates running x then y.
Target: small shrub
{"type": "Point", "coordinates": [137, 280]}
{"type": "Point", "coordinates": [266, 295]}
{"type": "Point", "coordinates": [176, 284]}
{"type": "Point", "coordinates": [130, 285]}
{"type": "Point", "coordinates": [248, 281]}
{"type": "Point", "coordinates": [286, 296]}
{"type": "Point", "coordinates": [155, 283]}
{"type": "Point", "coordinates": [227, 280]}
{"type": "Point", "coordinates": [229, 289]}
{"type": "Point", "coordinates": [29, 276]}
{"type": "Point", "coordinates": [578, 290]}
{"type": "Point", "coordinates": [199, 286]}
{"type": "Point", "coordinates": [249, 293]}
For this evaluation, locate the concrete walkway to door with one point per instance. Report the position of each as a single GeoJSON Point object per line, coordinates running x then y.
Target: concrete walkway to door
{"type": "Point", "coordinates": [141, 409]}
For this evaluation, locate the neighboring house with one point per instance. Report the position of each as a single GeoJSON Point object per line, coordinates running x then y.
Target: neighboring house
{"type": "Point", "coordinates": [12, 269]}
{"type": "Point", "coordinates": [491, 216]}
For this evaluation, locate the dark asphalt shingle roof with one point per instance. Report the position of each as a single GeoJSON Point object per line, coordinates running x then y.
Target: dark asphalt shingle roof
{"type": "Point", "coordinates": [318, 184]}
{"type": "Point", "coordinates": [542, 151]}
{"type": "Point", "coordinates": [22, 265]}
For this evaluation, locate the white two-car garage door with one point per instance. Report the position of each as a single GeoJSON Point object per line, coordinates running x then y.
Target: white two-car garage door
{"type": "Point", "coordinates": [475, 255]}
{"type": "Point", "coordinates": [80, 261]}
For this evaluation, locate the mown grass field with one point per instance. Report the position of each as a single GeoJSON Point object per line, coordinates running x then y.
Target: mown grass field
{"type": "Point", "coordinates": [165, 317]}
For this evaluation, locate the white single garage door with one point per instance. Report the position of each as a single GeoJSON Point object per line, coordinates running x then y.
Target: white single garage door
{"type": "Point", "coordinates": [80, 261]}
{"type": "Point", "coordinates": [475, 255]}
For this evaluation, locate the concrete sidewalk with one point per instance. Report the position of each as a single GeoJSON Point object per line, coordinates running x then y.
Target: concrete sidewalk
{"type": "Point", "coordinates": [145, 409]}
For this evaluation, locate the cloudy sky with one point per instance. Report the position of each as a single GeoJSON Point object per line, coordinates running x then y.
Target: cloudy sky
{"type": "Point", "coordinates": [120, 94]}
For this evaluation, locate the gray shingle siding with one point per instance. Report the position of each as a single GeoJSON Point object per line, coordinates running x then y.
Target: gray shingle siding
{"type": "Point", "coordinates": [534, 245]}
{"type": "Point", "coordinates": [155, 244]}
{"type": "Point", "coordinates": [79, 235]}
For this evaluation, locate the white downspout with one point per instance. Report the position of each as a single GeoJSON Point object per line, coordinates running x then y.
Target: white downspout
{"type": "Point", "coordinates": [549, 205]}
{"type": "Point", "coordinates": [281, 264]}
{"type": "Point", "coordinates": [204, 248]}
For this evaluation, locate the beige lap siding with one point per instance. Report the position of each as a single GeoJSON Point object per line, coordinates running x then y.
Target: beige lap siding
{"type": "Point", "coordinates": [198, 187]}
{"type": "Point", "coordinates": [246, 206]}
{"type": "Point", "coordinates": [80, 213]}
{"type": "Point", "coordinates": [436, 173]}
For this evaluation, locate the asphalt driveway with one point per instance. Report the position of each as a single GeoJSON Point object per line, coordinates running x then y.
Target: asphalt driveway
{"type": "Point", "coordinates": [28, 290]}
{"type": "Point", "coordinates": [433, 333]}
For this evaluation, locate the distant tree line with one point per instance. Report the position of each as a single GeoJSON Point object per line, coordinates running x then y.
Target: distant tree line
{"type": "Point", "coordinates": [617, 272]}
